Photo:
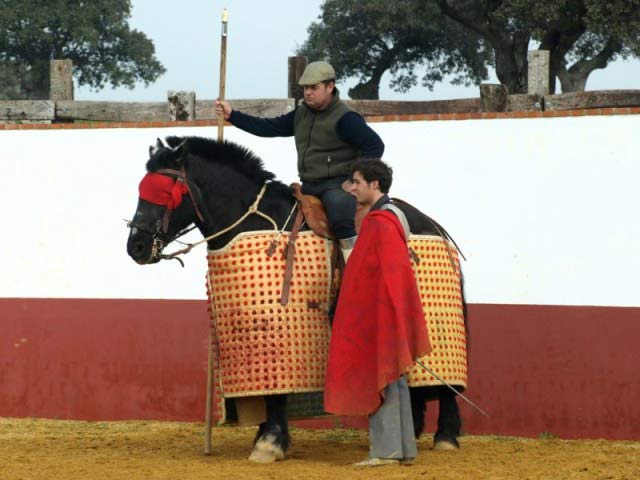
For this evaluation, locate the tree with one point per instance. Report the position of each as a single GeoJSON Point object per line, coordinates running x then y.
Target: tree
{"type": "Point", "coordinates": [587, 33]}
{"type": "Point", "coordinates": [366, 38]}
{"type": "Point", "coordinates": [95, 35]}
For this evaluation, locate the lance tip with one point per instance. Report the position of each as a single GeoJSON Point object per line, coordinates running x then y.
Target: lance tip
{"type": "Point", "coordinates": [225, 16]}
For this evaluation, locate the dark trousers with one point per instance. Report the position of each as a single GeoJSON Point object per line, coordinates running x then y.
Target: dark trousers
{"type": "Point", "coordinates": [339, 205]}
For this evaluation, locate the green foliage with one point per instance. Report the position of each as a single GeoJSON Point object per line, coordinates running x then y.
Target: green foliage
{"type": "Point", "coordinates": [617, 20]}
{"type": "Point", "coordinates": [11, 81]}
{"type": "Point", "coordinates": [581, 35]}
{"type": "Point", "coordinates": [95, 35]}
{"type": "Point", "coordinates": [366, 38]}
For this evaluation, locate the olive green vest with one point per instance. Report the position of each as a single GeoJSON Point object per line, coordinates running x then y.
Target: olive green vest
{"type": "Point", "coordinates": [321, 154]}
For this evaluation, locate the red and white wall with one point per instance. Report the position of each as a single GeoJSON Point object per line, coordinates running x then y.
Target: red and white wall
{"type": "Point", "coordinates": [543, 207]}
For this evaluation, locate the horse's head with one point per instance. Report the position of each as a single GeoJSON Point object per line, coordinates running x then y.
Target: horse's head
{"type": "Point", "coordinates": [200, 181]}
{"type": "Point", "coordinates": [165, 207]}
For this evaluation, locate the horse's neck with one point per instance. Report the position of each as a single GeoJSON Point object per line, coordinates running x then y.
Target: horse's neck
{"type": "Point", "coordinates": [228, 201]}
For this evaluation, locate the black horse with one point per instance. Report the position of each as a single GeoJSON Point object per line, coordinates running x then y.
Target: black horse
{"type": "Point", "coordinates": [224, 180]}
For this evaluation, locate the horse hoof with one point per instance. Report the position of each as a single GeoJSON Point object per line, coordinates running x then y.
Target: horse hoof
{"type": "Point", "coordinates": [260, 456]}
{"type": "Point", "coordinates": [266, 450]}
{"type": "Point", "coordinates": [445, 445]}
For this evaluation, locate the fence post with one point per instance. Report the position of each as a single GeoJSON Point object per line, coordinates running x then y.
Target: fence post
{"type": "Point", "coordinates": [60, 80]}
{"type": "Point", "coordinates": [494, 97]}
{"type": "Point", "coordinates": [538, 75]}
{"type": "Point", "coordinates": [296, 67]}
{"type": "Point", "coordinates": [182, 105]}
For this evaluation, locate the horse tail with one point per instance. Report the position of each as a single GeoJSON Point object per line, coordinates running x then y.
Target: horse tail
{"type": "Point", "coordinates": [440, 230]}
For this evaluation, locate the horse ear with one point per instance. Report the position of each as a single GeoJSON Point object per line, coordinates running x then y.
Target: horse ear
{"type": "Point", "coordinates": [154, 148]}
{"type": "Point", "coordinates": [180, 150]}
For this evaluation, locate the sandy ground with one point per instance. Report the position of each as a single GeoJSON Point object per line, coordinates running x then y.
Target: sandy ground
{"type": "Point", "coordinates": [56, 449]}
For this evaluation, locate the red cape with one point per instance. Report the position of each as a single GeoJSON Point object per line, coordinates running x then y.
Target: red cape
{"type": "Point", "coordinates": [379, 327]}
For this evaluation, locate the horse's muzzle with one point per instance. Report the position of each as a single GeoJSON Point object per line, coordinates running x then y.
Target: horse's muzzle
{"type": "Point", "coordinates": [144, 248]}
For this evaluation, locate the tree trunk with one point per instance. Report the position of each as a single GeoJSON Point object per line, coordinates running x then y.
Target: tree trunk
{"type": "Point", "coordinates": [510, 49]}
{"type": "Point", "coordinates": [561, 36]}
{"type": "Point", "coordinates": [572, 83]}
{"type": "Point", "coordinates": [559, 43]}
{"type": "Point", "coordinates": [555, 65]}
{"type": "Point", "coordinates": [511, 70]}
{"type": "Point", "coordinates": [35, 84]}
{"type": "Point", "coordinates": [369, 90]}
{"type": "Point", "coordinates": [574, 78]}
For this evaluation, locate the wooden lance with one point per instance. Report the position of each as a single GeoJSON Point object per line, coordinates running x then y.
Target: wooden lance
{"type": "Point", "coordinates": [223, 70]}
{"type": "Point", "coordinates": [223, 73]}
{"type": "Point", "coordinates": [208, 415]}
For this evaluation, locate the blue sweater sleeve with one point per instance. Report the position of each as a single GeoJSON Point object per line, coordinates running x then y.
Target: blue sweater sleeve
{"type": "Point", "coordinates": [354, 130]}
{"type": "Point", "coordinates": [281, 126]}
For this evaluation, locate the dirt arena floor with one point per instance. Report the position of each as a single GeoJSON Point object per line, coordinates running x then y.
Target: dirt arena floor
{"type": "Point", "coordinates": [55, 449]}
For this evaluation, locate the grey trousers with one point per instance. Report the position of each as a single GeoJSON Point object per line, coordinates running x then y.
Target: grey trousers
{"type": "Point", "coordinates": [391, 427]}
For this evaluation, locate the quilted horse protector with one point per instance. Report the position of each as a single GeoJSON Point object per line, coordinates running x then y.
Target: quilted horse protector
{"type": "Point", "coordinates": [261, 347]}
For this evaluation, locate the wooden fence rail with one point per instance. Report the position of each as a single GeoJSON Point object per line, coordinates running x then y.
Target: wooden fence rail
{"type": "Point", "coordinates": [49, 111]}
{"type": "Point", "coordinates": [62, 107]}
{"type": "Point", "coordinates": [36, 110]}
{"type": "Point", "coordinates": [112, 111]}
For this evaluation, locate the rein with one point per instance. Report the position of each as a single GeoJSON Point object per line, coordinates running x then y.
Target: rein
{"type": "Point", "coordinates": [252, 209]}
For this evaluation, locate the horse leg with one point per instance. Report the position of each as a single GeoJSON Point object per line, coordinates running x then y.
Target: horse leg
{"type": "Point", "coordinates": [272, 439]}
{"type": "Point", "coordinates": [449, 423]}
{"type": "Point", "coordinates": [418, 410]}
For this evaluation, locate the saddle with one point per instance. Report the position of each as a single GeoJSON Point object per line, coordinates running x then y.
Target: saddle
{"type": "Point", "coordinates": [312, 213]}
{"type": "Point", "coordinates": [315, 215]}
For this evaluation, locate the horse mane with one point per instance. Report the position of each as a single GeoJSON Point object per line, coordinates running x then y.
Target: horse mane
{"type": "Point", "coordinates": [240, 158]}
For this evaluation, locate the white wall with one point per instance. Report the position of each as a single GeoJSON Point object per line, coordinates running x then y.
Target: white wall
{"type": "Point", "coordinates": [546, 210]}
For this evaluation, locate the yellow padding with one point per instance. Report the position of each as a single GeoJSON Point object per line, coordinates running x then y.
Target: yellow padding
{"type": "Point", "coordinates": [263, 347]}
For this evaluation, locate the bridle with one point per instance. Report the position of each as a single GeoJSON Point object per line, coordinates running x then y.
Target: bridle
{"type": "Point", "coordinates": [159, 234]}
{"type": "Point", "coordinates": [180, 176]}
{"type": "Point", "coordinates": [251, 210]}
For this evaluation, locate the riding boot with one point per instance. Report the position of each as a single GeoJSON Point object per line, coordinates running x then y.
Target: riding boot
{"type": "Point", "coordinates": [346, 246]}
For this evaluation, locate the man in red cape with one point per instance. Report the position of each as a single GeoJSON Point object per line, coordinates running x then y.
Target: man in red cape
{"type": "Point", "coordinates": [379, 327]}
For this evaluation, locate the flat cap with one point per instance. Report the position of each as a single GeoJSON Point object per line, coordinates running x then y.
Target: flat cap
{"type": "Point", "coordinates": [317, 72]}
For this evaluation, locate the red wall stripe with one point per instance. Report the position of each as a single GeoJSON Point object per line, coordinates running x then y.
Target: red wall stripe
{"type": "Point", "coordinates": [103, 359]}
{"type": "Point", "coordinates": [570, 371]}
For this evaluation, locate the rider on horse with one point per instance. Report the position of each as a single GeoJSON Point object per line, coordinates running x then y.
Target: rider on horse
{"type": "Point", "coordinates": [329, 138]}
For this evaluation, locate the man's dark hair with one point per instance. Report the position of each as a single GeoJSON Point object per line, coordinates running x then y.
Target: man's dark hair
{"type": "Point", "coordinates": [374, 169]}
{"type": "Point", "coordinates": [335, 87]}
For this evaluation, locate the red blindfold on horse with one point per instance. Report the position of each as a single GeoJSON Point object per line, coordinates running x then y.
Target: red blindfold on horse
{"type": "Point", "coordinates": [162, 190]}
